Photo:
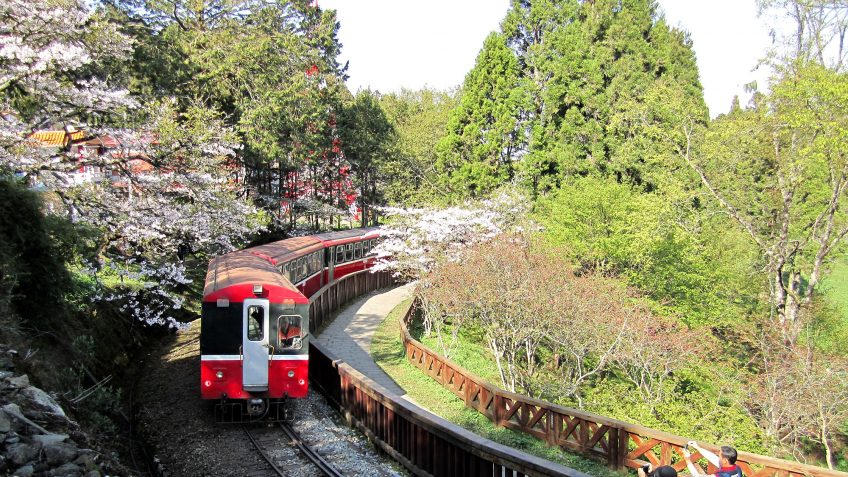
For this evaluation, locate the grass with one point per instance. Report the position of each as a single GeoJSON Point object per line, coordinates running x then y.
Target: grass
{"type": "Point", "coordinates": [830, 332]}
{"type": "Point", "coordinates": [836, 285]}
{"type": "Point", "coordinates": [388, 352]}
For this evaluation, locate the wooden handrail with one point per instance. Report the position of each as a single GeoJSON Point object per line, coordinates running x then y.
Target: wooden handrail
{"type": "Point", "coordinates": [621, 443]}
{"type": "Point", "coordinates": [425, 444]}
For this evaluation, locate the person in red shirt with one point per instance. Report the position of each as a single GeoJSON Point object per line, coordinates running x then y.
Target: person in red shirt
{"type": "Point", "coordinates": [726, 462]}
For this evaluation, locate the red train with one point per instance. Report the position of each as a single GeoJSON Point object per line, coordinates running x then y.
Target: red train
{"type": "Point", "coordinates": [254, 340]}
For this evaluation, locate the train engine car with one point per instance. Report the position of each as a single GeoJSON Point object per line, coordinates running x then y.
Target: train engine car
{"type": "Point", "coordinates": [254, 341]}
{"type": "Point", "coordinates": [254, 327]}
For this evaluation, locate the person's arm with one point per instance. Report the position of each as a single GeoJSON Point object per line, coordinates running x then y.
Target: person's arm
{"type": "Point", "coordinates": [694, 470]}
{"type": "Point", "coordinates": [712, 458]}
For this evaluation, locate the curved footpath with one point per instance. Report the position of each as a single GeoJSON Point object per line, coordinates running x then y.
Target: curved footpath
{"type": "Point", "coordinates": [350, 333]}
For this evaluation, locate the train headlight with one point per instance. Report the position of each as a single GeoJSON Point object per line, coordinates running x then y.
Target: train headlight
{"type": "Point", "coordinates": [208, 383]}
{"type": "Point", "coordinates": [291, 373]}
{"type": "Point", "coordinates": [301, 382]}
{"type": "Point", "coordinates": [219, 375]}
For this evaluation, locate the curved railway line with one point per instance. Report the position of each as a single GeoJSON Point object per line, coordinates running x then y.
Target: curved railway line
{"type": "Point", "coordinates": [266, 440]}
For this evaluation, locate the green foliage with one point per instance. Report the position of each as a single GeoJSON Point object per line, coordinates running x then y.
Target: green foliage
{"type": "Point", "coordinates": [476, 154]}
{"type": "Point", "coordinates": [33, 278]}
{"type": "Point", "coordinates": [695, 406]}
{"type": "Point", "coordinates": [563, 92]}
{"type": "Point", "coordinates": [368, 138]}
{"type": "Point", "coordinates": [688, 263]}
{"type": "Point", "coordinates": [419, 119]}
{"type": "Point", "coordinates": [389, 353]}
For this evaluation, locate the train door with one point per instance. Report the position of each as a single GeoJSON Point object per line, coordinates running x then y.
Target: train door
{"type": "Point", "coordinates": [331, 263]}
{"type": "Point", "coordinates": [255, 345]}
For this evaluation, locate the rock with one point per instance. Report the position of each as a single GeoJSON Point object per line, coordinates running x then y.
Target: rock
{"type": "Point", "coordinates": [15, 411]}
{"type": "Point", "coordinates": [25, 471]}
{"type": "Point", "coordinates": [5, 374]}
{"type": "Point", "coordinates": [12, 438]}
{"type": "Point", "coordinates": [43, 400]}
{"type": "Point", "coordinates": [20, 453]}
{"type": "Point", "coordinates": [21, 381]}
{"type": "Point", "coordinates": [67, 470]}
{"type": "Point", "coordinates": [5, 422]}
{"type": "Point", "coordinates": [41, 467]}
{"type": "Point", "coordinates": [93, 473]}
{"type": "Point", "coordinates": [61, 453]}
{"type": "Point", "coordinates": [86, 462]}
{"type": "Point", "coordinates": [50, 439]}
{"type": "Point", "coordinates": [3, 465]}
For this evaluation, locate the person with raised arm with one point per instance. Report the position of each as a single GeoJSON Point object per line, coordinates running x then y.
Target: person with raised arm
{"type": "Point", "coordinates": [726, 462]}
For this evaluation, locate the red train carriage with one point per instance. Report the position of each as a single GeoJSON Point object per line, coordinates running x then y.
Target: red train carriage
{"type": "Point", "coordinates": [254, 341]}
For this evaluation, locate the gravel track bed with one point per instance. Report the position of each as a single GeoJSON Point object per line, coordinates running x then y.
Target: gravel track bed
{"type": "Point", "coordinates": [179, 426]}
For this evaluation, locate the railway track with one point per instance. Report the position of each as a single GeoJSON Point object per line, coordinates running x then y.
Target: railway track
{"type": "Point", "coordinates": [267, 440]}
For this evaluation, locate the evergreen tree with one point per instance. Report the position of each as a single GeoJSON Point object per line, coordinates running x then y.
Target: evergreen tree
{"type": "Point", "coordinates": [578, 100]}
{"type": "Point", "coordinates": [482, 137]}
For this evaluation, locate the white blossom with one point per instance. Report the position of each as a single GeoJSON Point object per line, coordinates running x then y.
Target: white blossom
{"type": "Point", "coordinates": [416, 238]}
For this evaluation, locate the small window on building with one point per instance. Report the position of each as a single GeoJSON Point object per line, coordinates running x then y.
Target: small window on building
{"type": "Point", "coordinates": [255, 322]}
{"type": "Point", "coordinates": [290, 332]}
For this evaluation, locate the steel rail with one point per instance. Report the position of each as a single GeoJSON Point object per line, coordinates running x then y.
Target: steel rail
{"type": "Point", "coordinates": [309, 452]}
{"type": "Point", "coordinates": [263, 453]}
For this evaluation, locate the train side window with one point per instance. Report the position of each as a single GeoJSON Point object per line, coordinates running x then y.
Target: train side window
{"type": "Point", "coordinates": [316, 262]}
{"type": "Point", "coordinates": [357, 250]}
{"type": "Point", "coordinates": [301, 268]}
{"type": "Point", "coordinates": [339, 254]}
{"type": "Point", "coordinates": [348, 252]}
{"type": "Point", "coordinates": [290, 332]}
{"type": "Point", "coordinates": [255, 317]}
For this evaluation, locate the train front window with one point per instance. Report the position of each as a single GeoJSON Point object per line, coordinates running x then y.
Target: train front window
{"type": "Point", "coordinates": [255, 317]}
{"type": "Point", "coordinates": [289, 332]}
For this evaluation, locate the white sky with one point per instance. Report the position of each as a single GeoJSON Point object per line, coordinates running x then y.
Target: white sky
{"type": "Point", "coordinates": [415, 43]}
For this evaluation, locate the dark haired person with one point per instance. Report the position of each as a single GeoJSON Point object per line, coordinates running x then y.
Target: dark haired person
{"type": "Point", "coordinates": [664, 471]}
{"type": "Point", "coordinates": [726, 462]}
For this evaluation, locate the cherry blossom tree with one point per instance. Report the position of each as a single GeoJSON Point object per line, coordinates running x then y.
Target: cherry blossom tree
{"type": "Point", "coordinates": [174, 186]}
{"type": "Point", "coordinates": [416, 239]}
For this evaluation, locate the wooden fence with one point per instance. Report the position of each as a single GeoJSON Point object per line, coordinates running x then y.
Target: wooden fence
{"type": "Point", "coordinates": [619, 443]}
{"type": "Point", "coordinates": [425, 444]}
{"type": "Point", "coordinates": [332, 297]}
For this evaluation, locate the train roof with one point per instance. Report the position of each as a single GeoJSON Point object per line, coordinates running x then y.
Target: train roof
{"type": "Point", "coordinates": [344, 236]}
{"type": "Point", "coordinates": [284, 250]}
{"type": "Point", "coordinates": [240, 271]}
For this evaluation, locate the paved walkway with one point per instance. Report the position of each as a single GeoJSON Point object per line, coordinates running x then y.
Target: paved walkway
{"type": "Point", "coordinates": [349, 335]}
